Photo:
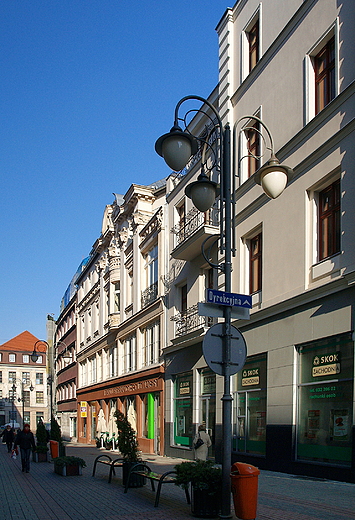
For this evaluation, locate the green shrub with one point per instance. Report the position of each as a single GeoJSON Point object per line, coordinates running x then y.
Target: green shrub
{"type": "Point", "coordinates": [202, 475]}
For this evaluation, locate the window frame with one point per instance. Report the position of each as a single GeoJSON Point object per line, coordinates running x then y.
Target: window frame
{"type": "Point", "coordinates": [332, 215]}
{"type": "Point", "coordinates": [326, 76]}
{"type": "Point", "coordinates": [246, 47]}
{"type": "Point", "coordinates": [310, 110]}
{"type": "Point", "coordinates": [253, 259]}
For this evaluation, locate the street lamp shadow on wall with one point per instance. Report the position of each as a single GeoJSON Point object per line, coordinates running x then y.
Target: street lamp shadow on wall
{"type": "Point", "coordinates": [177, 147]}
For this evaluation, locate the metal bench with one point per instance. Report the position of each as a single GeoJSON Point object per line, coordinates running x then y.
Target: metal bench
{"type": "Point", "coordinates": [144, 470]}
{"type": "Point", "coordinates": [115, 463]}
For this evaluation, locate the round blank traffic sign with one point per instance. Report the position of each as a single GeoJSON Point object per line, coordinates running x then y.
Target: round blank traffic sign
{"type": "Point", "coordinates": [213, 345]}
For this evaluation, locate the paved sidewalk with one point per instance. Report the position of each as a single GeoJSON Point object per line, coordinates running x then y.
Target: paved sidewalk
{"type": "Point", "coordinates": [43, 495]}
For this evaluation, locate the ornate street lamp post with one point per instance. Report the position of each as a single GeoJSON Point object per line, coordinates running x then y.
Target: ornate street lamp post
{"type": "Point", "coordinates": [177, 147]}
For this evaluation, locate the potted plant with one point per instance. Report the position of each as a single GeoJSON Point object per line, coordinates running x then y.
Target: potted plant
{"type": "Point", "coordinates": [127, 444]}
{"type": "Point", "coordinates": [40, 452]}
{"type": "Point", "coordinates": [206, 484]}
{"type": "Point", "coordinates": [68, 466]}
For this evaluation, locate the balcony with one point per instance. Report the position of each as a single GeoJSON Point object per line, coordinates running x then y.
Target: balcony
{"type": "Point", "coordinates": [149, 295]}
{"type": "Point", "coordinates": [189, 321]}
{"type": "Point", "coordinates": [192, 232]}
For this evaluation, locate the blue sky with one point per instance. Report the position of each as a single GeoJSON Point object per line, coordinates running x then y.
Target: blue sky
{"type": "Point", "coordinates": [86, 87]}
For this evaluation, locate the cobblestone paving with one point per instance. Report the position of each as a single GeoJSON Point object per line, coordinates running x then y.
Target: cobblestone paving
{"type": "Point", "coordinates": [44, 495]}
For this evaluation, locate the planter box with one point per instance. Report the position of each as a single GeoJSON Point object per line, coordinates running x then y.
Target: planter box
{"type": "Point", "coordinates": [39, 457]}
{"type": "Point", "coordinates": [68, 470]}
{"type": "Point", "coordinates": [135, 480]}
{"type": "Point", "coordinates": [204, 505]}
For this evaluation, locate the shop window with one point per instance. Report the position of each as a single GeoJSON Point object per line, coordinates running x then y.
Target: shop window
{"type": "Point", "coordinates": [183, 428]}
{"type": "Point", "coordinates": [208, 402]}
{"type": "Point", "coordinates": [325, 400]}
{"type": "Point", "coordinates": [249, 421]}
{"type": "Point", "coordinates": [39, 417]}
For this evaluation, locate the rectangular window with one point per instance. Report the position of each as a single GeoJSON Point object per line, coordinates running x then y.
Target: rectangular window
{"type": "Point", "coordinates": [12, 377]}
{"type": "Point", "coordinates": [0, 376]}
{"type": "Point", "coordinates": [39, 378]}
{"type": "Point", "coordinates": [39, 360]}
{"type": "Point", "coordinates": [324, 66]}
{"type": "Point", "coordinates": [253, 145]}
{"type": "Point", "coordinates": [329, 221]}
{"type": "Point", "coordinates": [26, 396]}
{"type": "Point", "coordinates": [152, 344]}
{"type": "Point", "coordinates": [253, 40]}
{"type": "Point", "coordinates": [255, 264]}
{"type": "Point", "coordinates": [130, 354]}
{"type": "Point", "coordinates": [26, 378]}
{"type": "Point", "coordinates": [25, 358]}
{"type": "Point", "coordinates": [117, 297]}
{"type": "Point", "coordinates": [39, 398]}
{"type": "Point", "coordinates": [12, 358]}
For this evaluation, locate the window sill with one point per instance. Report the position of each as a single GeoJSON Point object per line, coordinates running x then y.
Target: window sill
{"type": "Point", "coordinates": [256, 299]}
{"type": "Point", "coordinates": [325, 267]}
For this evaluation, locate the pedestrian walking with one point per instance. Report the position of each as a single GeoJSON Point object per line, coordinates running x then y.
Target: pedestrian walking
{"type": "Point", "coordinates": [201, 443]}
{"type": "Point", "coordinates": [8, 436]}
{"type": "Point", "coordinates": [26, 441]}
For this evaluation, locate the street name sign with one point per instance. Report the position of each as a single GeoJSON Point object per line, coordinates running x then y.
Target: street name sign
{"type": "Point", "coordinates": [230, 299]}
{"type": "Point", "coordinates": [215, 311]}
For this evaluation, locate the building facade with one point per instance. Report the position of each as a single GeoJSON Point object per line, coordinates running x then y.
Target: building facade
{"type": "Point", "coordinates": [66, 368]}
{"type": "Point", "coordinates": [294, 399]}
{"type": "Point", "coordinates": [121, 320]}
{"type": "Point", "coordinates": [23, 383]}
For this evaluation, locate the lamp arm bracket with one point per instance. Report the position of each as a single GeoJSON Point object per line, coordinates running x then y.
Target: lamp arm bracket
{"type": "Point", "coordinates": [214, 266]}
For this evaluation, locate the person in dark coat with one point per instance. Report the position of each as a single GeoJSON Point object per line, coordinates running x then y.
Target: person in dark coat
{"type": "Point", "coordinates": [8, 437]}
{"type": "Point", "coordinates": [26, 441]}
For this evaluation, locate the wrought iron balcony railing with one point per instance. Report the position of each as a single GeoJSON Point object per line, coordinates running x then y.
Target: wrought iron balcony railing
{"type": "Point", "coordinates": [189, 321]}
{"type": "Point", "coordinates": [149, 295]}
{"type": "Point", "coordinates": [193, 221]}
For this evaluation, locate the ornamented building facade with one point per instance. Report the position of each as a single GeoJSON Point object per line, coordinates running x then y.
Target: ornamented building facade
{"type": "Point", "coordinates": [121, 320]}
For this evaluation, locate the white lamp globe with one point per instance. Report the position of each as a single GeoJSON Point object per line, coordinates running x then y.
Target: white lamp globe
{"type": "Point", "coordinates": [273, 183]}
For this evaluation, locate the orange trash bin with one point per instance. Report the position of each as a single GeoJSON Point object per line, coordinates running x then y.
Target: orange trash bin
{"type": "Point", "coordinates": [54, 446]}
{"type": "Point", "coordinates": [245, 490]}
